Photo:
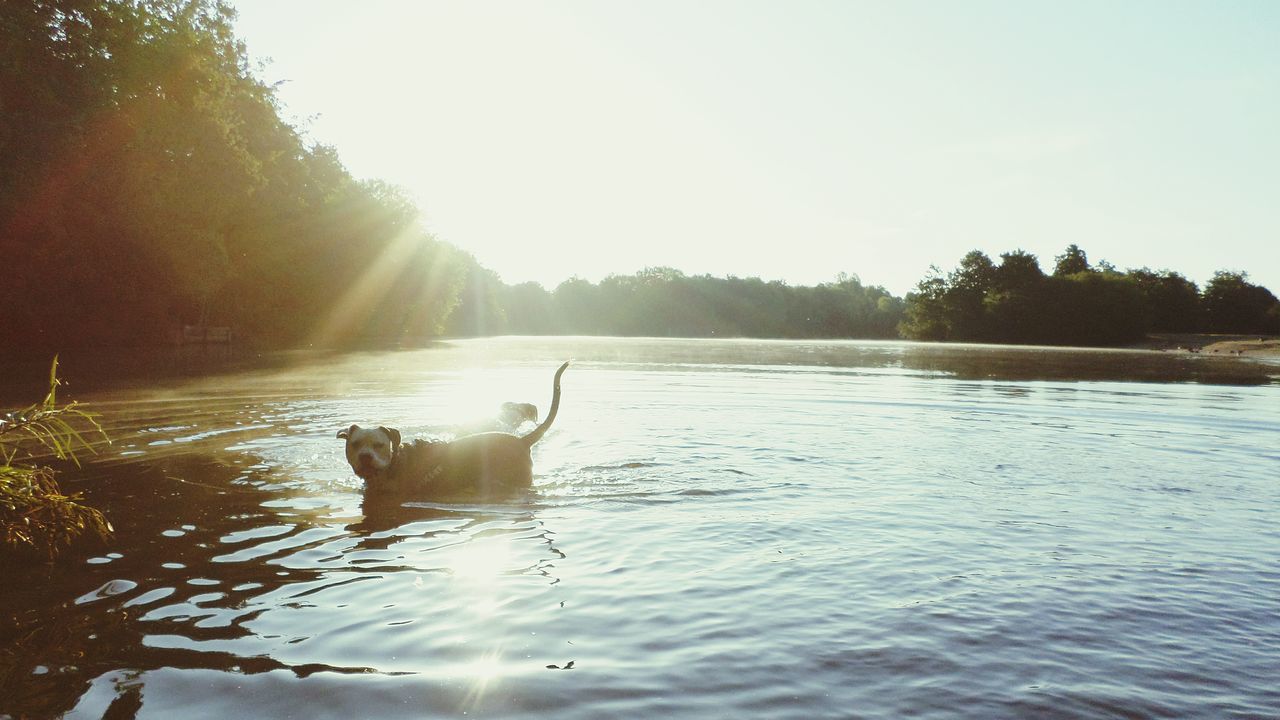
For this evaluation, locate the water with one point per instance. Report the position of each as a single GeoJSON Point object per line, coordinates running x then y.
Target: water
{"type": "Point", "coordinates": [717, 529]}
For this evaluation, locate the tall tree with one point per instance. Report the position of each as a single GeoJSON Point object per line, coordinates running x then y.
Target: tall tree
{"type": "Point", "coordinates": [1232, 304]}
{"type": "Point", "coordinates": [966, 296]}
{"type": "Point", "coordinates": [1171, 303]}
{"type": "Point", "coordinates": [1073, 260]}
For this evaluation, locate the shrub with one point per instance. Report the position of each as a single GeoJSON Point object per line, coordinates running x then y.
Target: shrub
{"type": "Point", "coordinates": [36, 517]}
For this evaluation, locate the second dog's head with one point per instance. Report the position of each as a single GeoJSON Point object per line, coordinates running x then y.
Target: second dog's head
{"type": "Point", "coordinates": [370, 450]}
{"type": "Point", "coordinates": [514, 413]}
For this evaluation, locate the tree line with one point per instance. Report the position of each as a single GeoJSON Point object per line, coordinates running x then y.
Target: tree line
{"type": "Point", "coordinates": [148, 181]}
{"type": "Point", "coordinates": [1014, 301]}
{"type": "Point", "coordinates": [664, 302]}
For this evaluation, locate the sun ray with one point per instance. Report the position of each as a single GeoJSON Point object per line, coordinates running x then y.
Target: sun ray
{"type": "Point", "coordinates": [350, 314]}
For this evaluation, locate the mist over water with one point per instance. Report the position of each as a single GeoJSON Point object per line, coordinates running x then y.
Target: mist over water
{"type": "Point", "coordinates": [716, 529]}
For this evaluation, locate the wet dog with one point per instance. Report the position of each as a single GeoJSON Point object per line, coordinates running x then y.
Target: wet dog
{"type": "Point", "coordinates": [490, 463]}
{"type": "Point", "coordinates": [510, 418]}
{"type": "Point", "coordinates": [516, 414]}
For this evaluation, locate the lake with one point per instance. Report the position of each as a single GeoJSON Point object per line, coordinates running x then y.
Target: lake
{"type": "Point", "coordinates": [717, 529]}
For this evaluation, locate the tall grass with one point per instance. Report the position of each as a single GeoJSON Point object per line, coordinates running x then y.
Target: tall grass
{"type": "Point", "coordinates": [36, 517]}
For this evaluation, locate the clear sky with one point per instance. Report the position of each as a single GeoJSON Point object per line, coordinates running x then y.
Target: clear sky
{"type": "Point", "coordinates": [798, 139]}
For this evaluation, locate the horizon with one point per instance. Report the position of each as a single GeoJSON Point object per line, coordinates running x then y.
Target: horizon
{"type": "Point", "coordinates": [567, 139]}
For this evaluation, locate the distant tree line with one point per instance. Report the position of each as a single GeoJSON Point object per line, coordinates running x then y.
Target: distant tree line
{"type": "Point", "coordinates": [663, 302]}
{"type": "Point", "coordinates": [1079, 304]}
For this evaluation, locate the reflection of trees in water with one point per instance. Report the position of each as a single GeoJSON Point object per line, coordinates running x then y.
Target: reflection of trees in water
{"type": "Point", "coordinates": [974, 362]}
{"type": "Point", "coordinates": [1015, 363]}
{"type": "Point", "coordinates": [231, 541]}
{"type": "Point", "coordinates": [169, 516]}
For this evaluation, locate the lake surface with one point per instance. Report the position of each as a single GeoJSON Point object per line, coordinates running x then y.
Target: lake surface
{"type": "Point", "coordinates": [717, 529]}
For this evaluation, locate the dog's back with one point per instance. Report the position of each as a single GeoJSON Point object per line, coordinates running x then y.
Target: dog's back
{"type": "Point", "coordinates": [488, 463]}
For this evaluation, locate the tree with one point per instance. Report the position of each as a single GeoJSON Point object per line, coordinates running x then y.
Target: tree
{"type": "Point", "coordinates": [529, 308]}
{"type": "Point", "coordinates": [1073, 260]}
{"type": "Point", "coordinates": [966, 295]}
{"type": "Point", "coordinates": [1015, 308]}
{"type": "Point", "coordinates": [1018, 271]}
{"type": "Point", "coordinates": [1091, 308]}
{"type": "Point", "coordinates": [925, 314]}
{"type": "Point", "coordinates": [1171, 303]}
{"type": "Point", "coordinates": [578, 308]}
{"type": "Point", "coordinates": [480, 310]}
{"type": "Point", "coordinates": [1234, 305]}
{"type": "Point", "coordinates": [1015, 302]}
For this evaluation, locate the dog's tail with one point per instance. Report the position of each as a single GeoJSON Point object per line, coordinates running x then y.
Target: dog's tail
{"type": "Point", "coordinates": [541, 430]}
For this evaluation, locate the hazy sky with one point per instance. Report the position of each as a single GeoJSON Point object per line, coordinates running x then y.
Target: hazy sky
{"type": "Point", "coordinates": [795, 140]}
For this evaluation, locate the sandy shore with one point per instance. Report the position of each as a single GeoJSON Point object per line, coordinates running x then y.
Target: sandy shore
{"type": "Point", "coordinates": [1260, 347]}
{"type": "Point", "coordinates": [1222, 345]}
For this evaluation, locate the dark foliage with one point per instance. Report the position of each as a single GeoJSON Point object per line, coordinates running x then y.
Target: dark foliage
{"type": "Point", "coordinates": [147, 182]}
{"type": "Point", "coordinates": [1014, 302]}
{"type": "Point", "coordinates": [1234, 305]}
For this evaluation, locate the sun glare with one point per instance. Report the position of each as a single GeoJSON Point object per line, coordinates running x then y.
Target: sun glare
{"type": "Point", "coordinates": [351, 313]}
{"type": "Point", "coordinates": [478, 566]}
{"type": "Point", "coordinates": [481, 673]}
{"type": "Point", "coordinates": [471, 398]}
{"type": "Point", "coordinates": [481, 561]}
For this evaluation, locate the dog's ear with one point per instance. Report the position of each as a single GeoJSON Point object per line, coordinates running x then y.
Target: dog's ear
{"type": "Point", "coordinates": [344, 434]}
{"type": "Point", "coordinates": [392, 433]}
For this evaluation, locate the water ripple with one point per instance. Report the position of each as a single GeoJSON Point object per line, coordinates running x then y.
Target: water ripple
{"type": "Point", "coordinates": [716, 529]}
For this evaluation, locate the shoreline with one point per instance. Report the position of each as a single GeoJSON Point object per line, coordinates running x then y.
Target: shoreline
{"type": "Point", "coordinates": [1220, 345]}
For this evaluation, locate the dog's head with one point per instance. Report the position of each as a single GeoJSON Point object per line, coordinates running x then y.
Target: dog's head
{"type": "Point", "coordinates": [513, 413]}
{"type": "Point", "coordinates": [370, 450]}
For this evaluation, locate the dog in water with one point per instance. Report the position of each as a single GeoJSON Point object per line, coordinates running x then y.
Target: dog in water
{"type": "Point", "coordinates": [510, 418]}
{"type": "Point", "coordinates": [515, 414]}
{"type": "Point", "coordinates": [490, 463]}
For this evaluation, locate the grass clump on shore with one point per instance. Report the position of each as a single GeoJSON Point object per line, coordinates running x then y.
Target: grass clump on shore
{"type": "Point", "coordinates": [36, 517]}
